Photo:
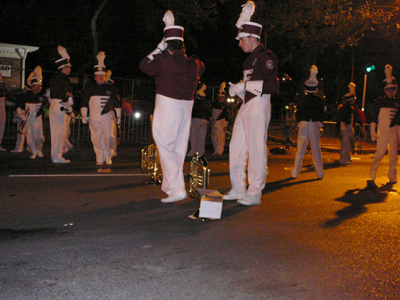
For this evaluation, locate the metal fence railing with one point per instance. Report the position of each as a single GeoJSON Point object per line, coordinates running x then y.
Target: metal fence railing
{"type": "Point", "coordinates": [137, 130]}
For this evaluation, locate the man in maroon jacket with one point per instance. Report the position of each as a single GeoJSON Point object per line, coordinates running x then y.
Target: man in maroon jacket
{"type": "Point", "coordinates": [176, 77]}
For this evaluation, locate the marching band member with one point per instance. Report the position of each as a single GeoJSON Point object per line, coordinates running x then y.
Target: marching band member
{"type": "Point", "coordinates": [60, 107]}
{"type": "Point", "coordinates": [101, 99]}
{"type": "Point", "coordinates": [249, 136]}
{"type": "Point", "coordinates": [387, 117]}
{"type": "Point", "coordinates": [30, 110]}
{"type": "Point", "coordinates": [309, 117]}
{"type": "Point", "coordinates": [176, 77]}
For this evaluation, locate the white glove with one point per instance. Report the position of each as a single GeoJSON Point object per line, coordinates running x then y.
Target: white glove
{"type": "Point", "coordinates": [236, 89]}
{"type": "Point", "coordinates": [84, 111]}
{"type": "Point", "coordinates": [160, 48]}
{"type": "Point", "coordinates": [66, 107]}
{"type": "Point", "coordinates": [21, 113]}
{"type": "Point", "coordinates": [162, 45]}
{"type": "Point", "coordinates": [118, 111]}
{"type": "Point", "coordinates": [372, 130]}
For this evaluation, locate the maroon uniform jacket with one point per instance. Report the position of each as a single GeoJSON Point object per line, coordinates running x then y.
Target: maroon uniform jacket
{"type": "Point", "coordinates": [262, 64]}
{"type": "Point", "coordinates": [176, 75]}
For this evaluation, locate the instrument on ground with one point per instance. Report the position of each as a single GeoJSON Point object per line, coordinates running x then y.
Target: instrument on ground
{"type": "Point", "coordinates": [199, 175]}
{"type": "Point", "coordinates": [22, 128]}
{"type": "Point", "coordinates": [150, 163]}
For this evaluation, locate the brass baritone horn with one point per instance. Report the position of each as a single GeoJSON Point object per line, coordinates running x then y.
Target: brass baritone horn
{"type": "Point", "coordinates": [199, 175]}
{"type": "Point", "coordinates": [150, 162]}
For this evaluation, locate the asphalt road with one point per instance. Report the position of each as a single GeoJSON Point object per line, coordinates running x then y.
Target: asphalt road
{"type": "Point", "coordinates": [69, 232]}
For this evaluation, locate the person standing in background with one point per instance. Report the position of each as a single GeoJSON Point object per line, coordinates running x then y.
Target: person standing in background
{"type": "Point", "coordinates": [201, 115]}
{"type": "Point", "coordinates": [219, 121]}
{"type": "Point", "coordinates": [310, 118]}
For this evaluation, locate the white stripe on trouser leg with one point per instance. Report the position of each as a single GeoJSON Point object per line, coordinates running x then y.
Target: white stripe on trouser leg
{"type": "Point", "coordinates": [171, 129]}
{"type": "Point", "coordinates": [58, 128]}
{"type": "Point", "coordinates": [248, 144]}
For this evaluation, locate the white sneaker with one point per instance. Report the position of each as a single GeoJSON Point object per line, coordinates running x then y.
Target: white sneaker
{"type": "Point", "coordinates": [2, 149]}
{"type": "Point", "coordinates": [33, 156]}
{"type": "Point", "coordinates": [250, 200]}
{"type": "Point", "coordinates": [60, 160]}
{"type": "Point", "coordinates": [175, 196]}
{"type": "Point", "coordinates": [40, 154]}
{"type": "Point", "coordinates": [16, 151]}
{"type": "Point", "coordinates": [234, 196]}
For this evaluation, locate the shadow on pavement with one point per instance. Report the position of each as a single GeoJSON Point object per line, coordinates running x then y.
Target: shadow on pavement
{"type": "Point", "coordinates": [358, 199]}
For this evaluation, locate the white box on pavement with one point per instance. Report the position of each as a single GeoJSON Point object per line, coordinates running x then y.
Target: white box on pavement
{"type": "Point", "coordinates": [210, 204]}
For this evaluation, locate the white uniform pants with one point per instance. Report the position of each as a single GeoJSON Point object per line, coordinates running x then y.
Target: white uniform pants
{"type": "Point", "coordinates": [308, 131]}
{"type": "Point", "coordinates": [218, 135]}
{"type": "Point", "coordinates": [19, 145]}
{"type": "Point", "coordinates": [387, 140]}
{"type": "Point", "coordinates": [248, 146]}
{"type": "Point", "coordinates": [346, 144]}
{"type": "Point", "coordinates": [58, 128]}
{"type": "Point", "coordinates": [113, 139]}
{"type": "Point", "coordinates": [198, 132]}
{"type": "Point", "coordinates": [100, 133]}
{"type": "Point", "coordinates": [34, 134]}
{"type": "Point", "coordinates": [171, 129]}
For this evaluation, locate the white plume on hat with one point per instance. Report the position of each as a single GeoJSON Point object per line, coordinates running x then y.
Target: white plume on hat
{"type": "Point", "coordinates": [222, 89]}
{"type": "Point", "coordinates": [100, 58]}
{"type": "Point", "coordinates": [201, 90]}
{"type": "Point", "coordinates": [351, 95]}
{"type": "Point", "coordinates": [63, 52]}
{"type": "Point", "coordinates": [35, 78]}
{"type": "Point", "coordinates": [311, 84]}
{"type": "Point", "coordinates": [247, 11]}
{"type": "Point", "coordinates": [169, 19]}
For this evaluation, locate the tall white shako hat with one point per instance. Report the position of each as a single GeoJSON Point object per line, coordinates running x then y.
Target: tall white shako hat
{"type": "Point", "coordinates": [64, 61]}
{"type": "Point", "coordinates": [172, 31]}
{"type": "Point", "coordinates": [311, 84]}
{"type": "Point", "coordinates": [247, 28]}
{"type": "Point", "coordinates": [222, 89]}
{"type": "Point", "coordinates": [35, 78]}
{"type": "Point", "coordinates": [100, 68]}
{"type": "Point", "coordinates": [108, 79]}
{"type": "Point", "coordinates": [389, 82]}
{"type": "Point", "coordinates": [351, 95]}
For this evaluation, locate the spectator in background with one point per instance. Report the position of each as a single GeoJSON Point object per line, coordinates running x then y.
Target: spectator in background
{"type": "Point", "coordinates": [346, 118]}
{"type": "Point", "coordinates": [219, 121]}
{"type": "Point", "coordinates": [201, 115]}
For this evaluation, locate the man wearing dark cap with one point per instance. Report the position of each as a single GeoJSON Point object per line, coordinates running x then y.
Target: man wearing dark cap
{"type": "Point", "coordinates": [249, 136]}
{"type": "Point", "coordinates": [176, 78]}
{"type": "Point", "coordinates": [387, 116]}
{"type": "Point", "coordinates": [346, 119]}
{"type": "Point", "coordinates": [60, 108]}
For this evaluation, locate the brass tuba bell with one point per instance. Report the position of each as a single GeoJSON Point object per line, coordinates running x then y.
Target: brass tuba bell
{"type": "Point", "coordinates": [150, 162]}
{"type": "Point", "coordinates": [199, 175]}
